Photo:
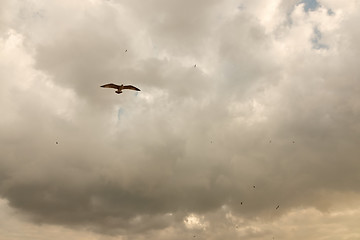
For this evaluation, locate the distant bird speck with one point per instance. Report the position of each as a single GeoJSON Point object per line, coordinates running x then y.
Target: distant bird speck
{"type": "Point", "coordinates": [119, 88]}
{"type": "Point", "coordinates": [241, 203]}
{"type": "Point", "coordinates": [195, 66]}
{"type": "Point", "coordinates": [254, 186]}
{"type": "Point", "coordinates": [278, 207]}
{"type": "Point", "coordinates": [293, 141]}
{"type": "Point", "coordinates": [126, 50]}
{"type": "Point", "coordinates": [56, 142]}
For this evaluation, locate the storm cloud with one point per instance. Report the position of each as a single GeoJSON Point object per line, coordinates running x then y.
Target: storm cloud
{"type": "Point", "coordinates": [268, 117]}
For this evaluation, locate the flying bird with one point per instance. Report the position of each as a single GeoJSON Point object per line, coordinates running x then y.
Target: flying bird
{"type": "Point", "coordinates": [119, 88]}
{"type": "Point", "coordinates": [277, 207]}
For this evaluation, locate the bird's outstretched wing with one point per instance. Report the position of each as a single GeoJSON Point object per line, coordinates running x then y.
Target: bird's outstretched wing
{"type": "Point", "coordinates": [131, 87]}
{"type": "Point", "coordinates": [110, 85]}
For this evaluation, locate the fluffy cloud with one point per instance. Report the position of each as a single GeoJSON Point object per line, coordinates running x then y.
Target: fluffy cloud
{"type": "Point", "coordinates": [271, 103]}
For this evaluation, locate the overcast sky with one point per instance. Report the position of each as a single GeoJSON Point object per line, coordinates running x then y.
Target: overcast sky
{"type": "Point", "coordinates": [259, 140]}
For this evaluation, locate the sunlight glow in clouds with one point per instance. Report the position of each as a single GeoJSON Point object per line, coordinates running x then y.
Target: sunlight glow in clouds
{"type": "Point", "coordinates": [195, 222]}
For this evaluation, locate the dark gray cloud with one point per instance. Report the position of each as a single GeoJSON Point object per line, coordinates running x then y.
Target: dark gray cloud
{"type": "Point", "coordinates": [262, 108]}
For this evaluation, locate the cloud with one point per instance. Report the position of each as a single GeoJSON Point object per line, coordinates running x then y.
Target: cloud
{"type": "Point", "coordinates": [265, 106]}
{"type": "Point", "coordinates": [310, 5]}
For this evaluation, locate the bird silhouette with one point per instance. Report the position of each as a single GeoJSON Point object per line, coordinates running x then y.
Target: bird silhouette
{"type": "Point", "coordinates": [278, 207]}
{"type": "Point", "coordinates": [119, 88]}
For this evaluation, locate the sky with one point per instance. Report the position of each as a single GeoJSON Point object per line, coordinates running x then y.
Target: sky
{"type": "Point", "coordinates": [247, 125]}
